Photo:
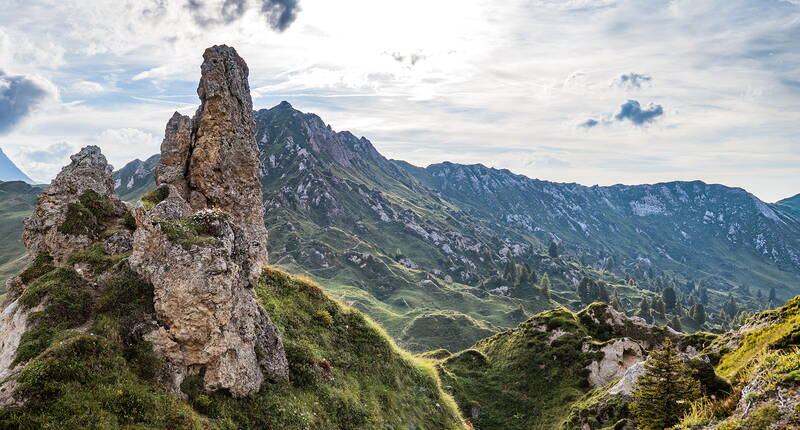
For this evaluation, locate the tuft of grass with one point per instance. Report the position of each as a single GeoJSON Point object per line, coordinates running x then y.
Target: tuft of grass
{"type": "Point", "coordinates": [96, 258]}
{"type": "Point", "coordinates": [152, 198]}
{"type": "Point", "coordinates": [68, 301]}
{"type": "Point", "coordinates": [42, 264]}
{"type": "Point", "coordinates": [198, 229]}
{"type": "Point", "coordinates": [88, 215]}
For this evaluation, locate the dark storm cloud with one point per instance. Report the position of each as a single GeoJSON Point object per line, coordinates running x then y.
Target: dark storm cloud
{"type": "Point", "coordinates": [279, 14]}
{"type": "Point", "coordinates": [632, 80]}
{"type": "Point", "coordinates": [19, 96]}
{"type": "Point", "coordinates": [632, 110]}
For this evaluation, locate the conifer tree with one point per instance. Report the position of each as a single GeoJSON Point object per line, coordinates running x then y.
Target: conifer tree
{"type": "Point", "coordinates": [664, 392]}
{"type": "Point", "coordinates": [602, 292]}
{"type": "Point", "coordinates": [658, 306]}
{"type": "Point", "coordinates": [703, 295]}
{"type": "Point", "coordinates": [675, 323]}
{"type": "Point", "coordinates": [730, 306]}
{"type": "Point", "coordinates": [583, 290]}
{"type": "Point", "coordinates": [669, 298]}
{"type": "Point", "coordinates": [698, 313]}
{"type": "Point", "coordinates": [545, 286]}
{"type": "Point", "coordinates": [644, 309]}
{"type": "Point", "coordinates": [552, 250]}
{"type": "Point", "coordinates": [616, 303]}
{"type": "Point", "coordinates": [772, 296]}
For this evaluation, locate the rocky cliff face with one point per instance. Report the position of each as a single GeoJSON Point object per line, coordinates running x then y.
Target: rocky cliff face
{"type": "Point", "coordinates": [201, 240]}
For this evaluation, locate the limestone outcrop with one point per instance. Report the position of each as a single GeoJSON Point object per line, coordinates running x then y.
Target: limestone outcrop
{"type": "Point", "coordinates": [201, 240]}
{"type": "Point", "coordinates": [618, 356]}
{"type": "Point", "coordinates": [62, 223]}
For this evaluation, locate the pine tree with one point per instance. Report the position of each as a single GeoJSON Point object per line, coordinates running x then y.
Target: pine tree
{"type": "Point", "coordinates": [772, 296]}
{"type": "Point", "coordinates": [658, 306]}
{"type": "Point", "coordinates": [675, 323]}
{"type": "Point", "coordinates": [698, 314]}
{"type": "Point", "coordinates": [583, 290]}
{"type": "Point", "coordinates": [669, 298]}
{"type": "Point", "coordinates": [545, 286]}
{"type": "Point", "coordinates": [664, 392]}
{"type": "Point", "coordinates": [616, 303]}
{"type": "Point", "coordinates": [644, 309]}
{"type": "Point", "coordinates": [602, 292]}
{"type": "Point", "coordinates": [759, 295]}
{"type": "Point", "coordinates": [730, 306]}
{"type": "Point", "coordinates": [552, 250]}
{"type": "Point", "coordinates": [703, 295]}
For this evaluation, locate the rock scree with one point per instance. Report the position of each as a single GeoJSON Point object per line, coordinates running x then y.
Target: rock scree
{"type": "Point", "coordinates": [201, 240]}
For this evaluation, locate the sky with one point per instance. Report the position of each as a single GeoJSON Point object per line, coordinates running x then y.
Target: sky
{"type": "Point", "coordinates": [587, 91]}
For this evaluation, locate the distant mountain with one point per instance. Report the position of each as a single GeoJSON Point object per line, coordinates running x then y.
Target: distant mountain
{"type": "Point", "coordinates": [443, 255]}
{"type": "Point", "coordinates": [792, 204]}
{"type": "Point", "coordinates": [698, 230]}
{"type": "Point", "coordinates": [10, 172]}
{"type": "Point", "coordinates": [136, 178]}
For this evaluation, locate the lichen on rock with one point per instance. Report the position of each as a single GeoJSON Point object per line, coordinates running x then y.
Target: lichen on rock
{"type": "Point", "coordinates": [201, 240]}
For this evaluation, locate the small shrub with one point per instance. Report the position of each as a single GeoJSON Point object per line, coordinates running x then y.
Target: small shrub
{"type": "Point", "coordinates": [323, 317]}
{"type": "Point", "coordinates": [42, 264]}
{"type": "Point", "coordinates": [100, 206]}
{"type": "Point", "coordinates": [68, 301]}
{"type": "Point", "coordinates": [80, 221]}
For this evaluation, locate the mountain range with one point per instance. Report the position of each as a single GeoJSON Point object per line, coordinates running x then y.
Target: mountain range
{"type": "Point", "coordinates": [426, 251]}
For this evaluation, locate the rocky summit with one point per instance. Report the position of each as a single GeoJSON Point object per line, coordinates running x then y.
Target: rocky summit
{"type": "Point", "coordinates": [61, 223]}
{"type": "Point", "coordinates": [201, 239]}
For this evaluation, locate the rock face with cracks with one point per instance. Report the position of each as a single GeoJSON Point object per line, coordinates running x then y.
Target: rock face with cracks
{"type": "Point", "coordinates": [58, 225]}
{"type": "Point", "coordinates": [202, 244]}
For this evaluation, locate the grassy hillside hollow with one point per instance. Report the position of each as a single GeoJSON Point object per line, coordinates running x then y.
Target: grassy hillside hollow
{"type": "Point", "coordinates": [86, 364]}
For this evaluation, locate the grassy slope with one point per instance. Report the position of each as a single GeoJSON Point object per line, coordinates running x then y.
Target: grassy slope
{"type": "Point", "coordinates": [16, 202]}
{"type": "Point", "coordinates": [516, 379]}
{"type": "Point", "coordinates": [345, 372]}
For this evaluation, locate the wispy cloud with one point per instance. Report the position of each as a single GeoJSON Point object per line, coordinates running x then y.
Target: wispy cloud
{"type": "Point", "coordinates": [497, 78]}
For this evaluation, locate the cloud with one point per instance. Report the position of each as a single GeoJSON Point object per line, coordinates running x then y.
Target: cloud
{"type": "Point", "coordinates": [631, 81]}
{"type": "Point", "coordinates": [280, 14]}
{"type": "Point", "coordinates": [546, 161]}
{"type": "Point", "coordinates": [632, 110]}
{"type": "Point", "coordinates": [86, 87]}
{"type": "Point", "coordinates": [629, 111]}
{"type": "Point", "coordinates": [20, 95]}
{"type": "Point", "coordinates": [412, 59]}
{"type": "Point", "coordinates": [52, 154]}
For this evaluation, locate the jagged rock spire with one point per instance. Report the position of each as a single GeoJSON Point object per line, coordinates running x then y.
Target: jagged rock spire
{"type": "Point", "coordinates": [209, 189]}
{"type": "Point", "coordinates": [212, 159]}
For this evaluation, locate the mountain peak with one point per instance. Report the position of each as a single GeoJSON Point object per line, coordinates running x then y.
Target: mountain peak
{"type": "Point", "coordinates": [10, 172]}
